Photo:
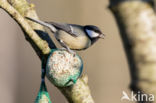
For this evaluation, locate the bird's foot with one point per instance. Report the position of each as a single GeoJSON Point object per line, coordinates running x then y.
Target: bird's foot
{"type": "Point", "coordinates": [67, 48]}
{"type": "Point", "coordinates": [69, 51]}
{"type": "Point", "coordinates": [63, 49]}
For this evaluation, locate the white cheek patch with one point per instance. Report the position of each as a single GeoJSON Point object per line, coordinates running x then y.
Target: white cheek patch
{"type": "Point", "coordinates": [92, 34]}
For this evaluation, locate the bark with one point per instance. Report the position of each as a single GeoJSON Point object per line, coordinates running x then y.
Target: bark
{"type": "Point", "coordinates": [137, 23]}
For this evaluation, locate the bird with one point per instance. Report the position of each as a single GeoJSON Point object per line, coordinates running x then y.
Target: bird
{"type": "Point", "coordinates": [73, 36]}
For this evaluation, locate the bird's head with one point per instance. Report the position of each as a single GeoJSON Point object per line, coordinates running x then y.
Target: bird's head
{"type": "Point", "coordinates": [93, 32]}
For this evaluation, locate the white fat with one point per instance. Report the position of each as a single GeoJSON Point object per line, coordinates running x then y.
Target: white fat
{"type": "Point", "coordinates": [92, 34]}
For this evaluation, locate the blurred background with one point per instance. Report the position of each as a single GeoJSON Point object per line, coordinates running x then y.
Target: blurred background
{"type": "Point", "coordinates": [105, 62]}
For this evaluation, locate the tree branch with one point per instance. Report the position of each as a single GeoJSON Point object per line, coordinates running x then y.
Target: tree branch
{"type": "Point", "coordinates": [74, 93]}
{"type": "Point", "coordinates": [42, 44]}
{"type": "Point", "coordinates": [137, 24]}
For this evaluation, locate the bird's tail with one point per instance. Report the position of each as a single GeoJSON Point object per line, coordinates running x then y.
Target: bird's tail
{"type": "Point", "coordinates": [52, 28]}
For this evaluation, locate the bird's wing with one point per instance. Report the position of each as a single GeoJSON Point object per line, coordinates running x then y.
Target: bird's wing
{"type": "Point", "coordinates": [65, 27]}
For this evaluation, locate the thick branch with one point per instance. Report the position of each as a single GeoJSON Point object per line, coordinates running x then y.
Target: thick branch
{"type": "Point", "coordinates": [137, 22]}
{"type": "Point", "coordinates": [74, 93]}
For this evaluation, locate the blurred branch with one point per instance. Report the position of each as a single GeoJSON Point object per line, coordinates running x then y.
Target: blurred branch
{"type": "Point", "coordinates": [18, 9]}
{"type": "Point", "coordinates": [137, 22]}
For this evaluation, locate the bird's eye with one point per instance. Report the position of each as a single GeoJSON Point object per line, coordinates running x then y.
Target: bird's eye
{"type": "Point", "coordinates": [98, 31]}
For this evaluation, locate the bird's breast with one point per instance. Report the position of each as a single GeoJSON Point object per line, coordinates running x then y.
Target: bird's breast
{"type": "Point", "coordinates": [79, 42]}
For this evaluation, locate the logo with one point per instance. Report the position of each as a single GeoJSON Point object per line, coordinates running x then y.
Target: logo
{"type": "Point", "coordinates": [138, 97]}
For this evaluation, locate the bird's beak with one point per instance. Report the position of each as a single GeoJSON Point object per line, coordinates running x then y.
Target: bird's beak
{"type": "Point", "coordinates": [102, 36]}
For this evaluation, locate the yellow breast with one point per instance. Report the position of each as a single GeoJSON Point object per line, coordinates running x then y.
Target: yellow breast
{"type": "Point", "coordinates": [80, 42]}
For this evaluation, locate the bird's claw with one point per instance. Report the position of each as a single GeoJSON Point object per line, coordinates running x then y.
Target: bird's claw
{"type": "Point", "coordinates": [67, 48]}
{"type": "Point", "coordinates": [72, 52]}
{"type": "Point", "coordinates": [69, 51]}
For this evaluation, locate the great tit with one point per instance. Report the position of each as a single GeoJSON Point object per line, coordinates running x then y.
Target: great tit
{"type": "Point", "coordinates": [73, 36]}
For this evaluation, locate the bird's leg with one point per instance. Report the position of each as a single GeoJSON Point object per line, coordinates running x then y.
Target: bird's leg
{"type": "Point", "coordinates": [67, 48]}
